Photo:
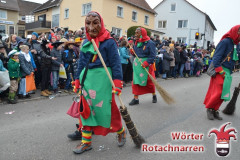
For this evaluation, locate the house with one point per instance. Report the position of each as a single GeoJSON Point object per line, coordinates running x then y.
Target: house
{"type": "Point", "coordinates": [182, 21]}
{"type": "Point", "coordinates": [12, 16]}
{"type": "Point", "coordinates": [9, 11]}
{"type": "Point", "coordinates": [46, 16]}
{"type": "Point", "coordinates": [118, 15]}
{"type": "Point", "coordinates": [25, 14]}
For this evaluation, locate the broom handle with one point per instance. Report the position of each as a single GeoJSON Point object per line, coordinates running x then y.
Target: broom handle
{"type": "Point", "coordinates": [140, 61]}
{"type": "Point", "coordinates": [108, 74]}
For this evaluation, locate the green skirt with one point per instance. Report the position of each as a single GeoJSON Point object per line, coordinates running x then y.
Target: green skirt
{"type": "Point", "coordinates": [139, 74]}
{"type": "Point", "coordinates": [97, 91]}
{"type": "Point", "coordinates": [226, 85]}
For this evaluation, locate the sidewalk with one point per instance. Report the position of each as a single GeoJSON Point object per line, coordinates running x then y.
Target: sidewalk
{"type": "Point", "coordinates": [37, 96]}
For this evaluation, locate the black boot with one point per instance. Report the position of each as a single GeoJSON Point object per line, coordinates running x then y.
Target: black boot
{"type": "Point", "coordinates": [134, 101]}
{"type": "Point", "coordinates": [154, 100]}
{"type": "Point", "coordinates": [216, 115]}
{"type": "Point", "coordinates": [77, 135]}
{"type": "Point", "coordinates": [210, 113]}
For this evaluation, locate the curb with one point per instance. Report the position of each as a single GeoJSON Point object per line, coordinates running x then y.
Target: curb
{"type": "Point", "coordinates": [39, 98]}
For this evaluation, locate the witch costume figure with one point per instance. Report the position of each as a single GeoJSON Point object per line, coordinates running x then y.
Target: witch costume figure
{"type": "Point", "coordinates": [98, 110]}
{"type": "Point", "coordinates": [223, 60]}
{"type": "Point", "coordinates": [146, 51]}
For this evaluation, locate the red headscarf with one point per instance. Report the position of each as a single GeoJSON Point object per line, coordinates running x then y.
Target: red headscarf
{"type": "Point", "coordinates": [103, 34]}
{"type": "Point", "coordinates": [233, 34]}
{"type": "Point", "coordinates": [144, 36]}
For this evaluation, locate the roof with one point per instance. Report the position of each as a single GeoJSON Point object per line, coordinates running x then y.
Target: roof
{"type": "Point", "coordinates": [9, 5]}
{"type": "Point", "coordinates": [140, 4]}
{"type": "Point", "coordinates": [47, 5]}
{"type": "Point", "coordinates": [26, 7]}
{"type": "Point", "coordinates": [207, 17]}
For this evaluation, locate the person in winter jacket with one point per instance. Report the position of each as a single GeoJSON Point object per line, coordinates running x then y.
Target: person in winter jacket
{"type": "Point", "coordinates": [124, 56]}
{"type": "Point", "coordinates": [69, 58]}
{"type": "Point", "coordinates": [183, 59]}
{"type": "Point", "coordinates": [172, 63]}
{"type": "Point", "coordinates": [166, 62]}
{"type": "Point", "coordinates": [56, 64]}
{"type": "Point", "coordinates": [177, 61]}
{"type": "Point", "coordinates": [46, 64]}
{"type": "Point", "coordinates": [26, 69]}
{"type": "Point", "coordinates": [14, 75]}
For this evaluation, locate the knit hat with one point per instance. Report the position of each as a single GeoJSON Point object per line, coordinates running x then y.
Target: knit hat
{"type": "Point", "coordinates": [12, 53]}
{"type": "Point", "coordinates": [35, 33]}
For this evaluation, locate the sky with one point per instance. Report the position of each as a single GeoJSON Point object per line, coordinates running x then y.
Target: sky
{"type": "Point", "coordinates": [223, 13]}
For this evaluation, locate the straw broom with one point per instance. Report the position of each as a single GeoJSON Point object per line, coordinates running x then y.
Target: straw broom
{"type": "Point", "coordinates": [230, 108]}
{"type": "Point", "coordinates": [136, 137]}
{"type": "Point", "coordinates": [166, 97]}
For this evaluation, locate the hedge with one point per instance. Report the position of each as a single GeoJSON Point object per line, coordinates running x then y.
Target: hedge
{"type": "Point", "coordinates": [131, 31]}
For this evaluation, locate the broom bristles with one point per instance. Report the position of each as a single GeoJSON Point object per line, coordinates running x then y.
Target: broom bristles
{"type": "Point", "coordinates": [230, 108]}
{"type": "Point", "coordinates": [166, 97]}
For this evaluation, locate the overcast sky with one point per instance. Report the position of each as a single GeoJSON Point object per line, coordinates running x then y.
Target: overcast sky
{"type": "Point", "coordinates": [223, 13]}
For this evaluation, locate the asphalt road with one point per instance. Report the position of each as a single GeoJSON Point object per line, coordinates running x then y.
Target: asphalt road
{"type": "Point", "coordinates": [37, 130]}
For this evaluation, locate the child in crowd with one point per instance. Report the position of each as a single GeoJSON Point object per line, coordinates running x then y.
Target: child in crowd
{"type": "Point", "coordinates": [14, 74]}
{"type": "Point", "coordinates": [187, 67]}
{"type": "Point", "coordinates": [56, 52]}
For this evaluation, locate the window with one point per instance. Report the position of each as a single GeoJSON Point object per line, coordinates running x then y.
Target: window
{"type": "Point", "coordinates": [86, 8]}
{"type": "Point", "coordinates": [66, 13]}
{"type": "Point", "coordinates": [11, 30]}
{"type": "Point", "coordinates": [162, 24]}
{"type": "Point", "coordinates": [134, 15]}
{"type": "Point", "coordinates": [42, 18]}
{"type": "Point", "coordinates": [29, 18]}
{"type": "Point", "coordinates": [23, 18]}
{"type": "Point", "coordinates": [3, 14]}
{"type": "Point", "coordinates": [146, 20]}
{"type": "Point", "coordinates": [119, 11]}
{"type": "Point", "coordinates": [2, 29]}
{"type": "Point", "coordinates": [117, 31]}
{"type": "Point", "coordinates": [173, 7]}
{"type": "Point", "coordinates": [182, 39]}
{"type": "Point", "coordinates": [182, 23]}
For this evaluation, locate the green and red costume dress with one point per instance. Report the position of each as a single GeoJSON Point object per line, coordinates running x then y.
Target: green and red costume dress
{"type": "Point", "coordinates": [104, 114]}
{"type": "Point", "coordinates": [146, 51]}
{"type": "Point", "coordinates": [219, 87]}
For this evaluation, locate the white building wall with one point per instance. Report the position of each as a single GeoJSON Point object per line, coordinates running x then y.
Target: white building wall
{"type": "Point", "coordinates": [184, 11]}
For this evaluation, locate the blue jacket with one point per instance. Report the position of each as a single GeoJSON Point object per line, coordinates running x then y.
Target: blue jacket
{"type": "Point", "coordinates": [223, 48]}
{"type": "Point", "coordinates": [32, 60]}
{"type": "Point", "coordinates": [1, 66]}
{"type": "Point", "coordinates": [109, 51]}
{"type": "Point", "coordinates": [148, 50]}
{"type": "Point", "coordinates": [124, 55]}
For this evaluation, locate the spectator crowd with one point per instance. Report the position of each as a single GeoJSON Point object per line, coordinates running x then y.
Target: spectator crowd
{"type": "Point", "coordinates": [43, 55]}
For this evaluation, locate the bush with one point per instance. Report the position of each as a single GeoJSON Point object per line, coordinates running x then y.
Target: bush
{"type": "Point", "coordinates": [131, 31]}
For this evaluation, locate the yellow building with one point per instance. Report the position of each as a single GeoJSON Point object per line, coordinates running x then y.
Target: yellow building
{"type": "Point", "coordinates": [118, 15]}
